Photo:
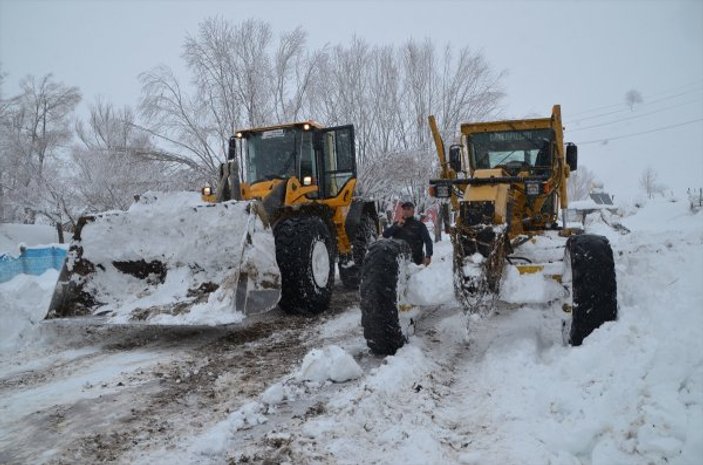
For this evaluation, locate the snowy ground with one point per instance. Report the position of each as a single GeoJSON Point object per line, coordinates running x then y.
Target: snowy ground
{"type": "Point", "coordinates": [280, 389]}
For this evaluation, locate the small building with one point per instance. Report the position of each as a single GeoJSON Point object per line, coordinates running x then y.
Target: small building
{"type": "Point", "coordinates": [597, 200]}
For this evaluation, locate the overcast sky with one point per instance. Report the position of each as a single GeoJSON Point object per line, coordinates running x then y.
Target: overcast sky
{"type": "Point", "coordinates": [584, 55]}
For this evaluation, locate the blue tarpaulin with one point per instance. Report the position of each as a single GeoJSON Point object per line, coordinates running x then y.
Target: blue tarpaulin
{"type": "Point", "coordinates": [34, 261]}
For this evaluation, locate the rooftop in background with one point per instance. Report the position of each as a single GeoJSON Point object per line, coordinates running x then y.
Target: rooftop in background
{"type": "Point", "coordinates": [601, 198]}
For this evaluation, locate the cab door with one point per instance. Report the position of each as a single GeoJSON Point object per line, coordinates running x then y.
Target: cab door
{"type": "Point", "coordinates": [336, 158]}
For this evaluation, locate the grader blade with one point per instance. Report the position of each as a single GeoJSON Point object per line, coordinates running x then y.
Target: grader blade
{"type": "Point", "coordinates": [167, 261]}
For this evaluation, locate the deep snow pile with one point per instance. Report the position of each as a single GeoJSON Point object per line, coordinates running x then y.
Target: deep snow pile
{"type": "Point", "coordinates": [430, 285]}
{"type": "Point", "coordinates": [194, 245]}
{"type": "Point", "coordinates": [23, 304]}
{"type": "Point", "coordinates": [632, 394]}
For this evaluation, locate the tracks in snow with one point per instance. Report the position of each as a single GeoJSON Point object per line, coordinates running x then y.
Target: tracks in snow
{"type": "Point", "coordinates": [101, 394]}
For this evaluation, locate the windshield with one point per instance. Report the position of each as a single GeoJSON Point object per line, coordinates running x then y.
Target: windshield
{"type": "Point", "coordinates": [276, 154]}
{"type": "Point", "coordinates": [526, 148]}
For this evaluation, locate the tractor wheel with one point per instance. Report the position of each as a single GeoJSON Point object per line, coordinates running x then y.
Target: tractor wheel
{"type": "Point", "coordinates": [379, 295]}
{"type": "Point", "coordinates": [305, 253]}
{"type": "Point", "coordinates": [589, 259]}
{"type": "Point", "coordinates": [350, 265]}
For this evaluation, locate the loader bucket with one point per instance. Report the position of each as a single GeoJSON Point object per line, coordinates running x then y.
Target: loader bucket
{"type": "Point", "coordinates": [170, 260]}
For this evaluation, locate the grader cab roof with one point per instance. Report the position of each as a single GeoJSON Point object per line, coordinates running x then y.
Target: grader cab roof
{"type": "Point", "coordinates": [297, 124]}
{"type": "Point", "coordinates": [515, 125]}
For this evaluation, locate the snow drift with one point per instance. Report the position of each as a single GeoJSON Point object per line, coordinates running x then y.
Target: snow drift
{"type": "Point", "coordinates": [171, 260]}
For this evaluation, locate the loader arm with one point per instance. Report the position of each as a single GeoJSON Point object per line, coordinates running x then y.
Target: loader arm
{"type": "Point", "coordinates": [446, 171]}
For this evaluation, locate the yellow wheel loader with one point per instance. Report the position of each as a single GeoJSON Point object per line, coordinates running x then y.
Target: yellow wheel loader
{"type": "Point", "coordinates": [505, 183]}
{"type": "Point", "coordinates": [285, 210]}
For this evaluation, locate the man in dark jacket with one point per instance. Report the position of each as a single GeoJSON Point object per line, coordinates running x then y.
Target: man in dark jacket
{"type": "Point", "coordinates": [413, 232]}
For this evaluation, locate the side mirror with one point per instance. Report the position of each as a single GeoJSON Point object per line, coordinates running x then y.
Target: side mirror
{"type": "Point", "coordinates": [455, 157]}
{"type": "Point", "coordinates": [232, 151]}
{"type": "Point", "coordinates": [572, 156]}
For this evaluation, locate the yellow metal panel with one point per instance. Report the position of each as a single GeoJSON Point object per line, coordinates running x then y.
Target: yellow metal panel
{"type": "Point", "coordinates": [340, 206]}
{"type": "Point", "coordinates": [532, 269]}
{"type": "Point", "coordinates": [489, 173]}
{"type": "Point", "coordinates": [496, 193]}
{"type": "Point", "coordinates": [296, 192]}
{"type": "Point", "coordinates": [507, 125]}
{"type": "Point", "coordinates": [212, 198]}
{"type": "Point", "coordinates": [529, 269]}
{"type": "Point", "coordinates": [258, 190]}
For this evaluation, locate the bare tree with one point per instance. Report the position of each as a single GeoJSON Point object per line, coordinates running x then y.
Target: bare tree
{"type": "Point", "coordinates": [340, 95]}
{"type": "Point", "coordinates": [240, 81]}
{"type": "Point", "coordinates": [110, 168]}
{"type": "Point", "coordinates": [243, 79]}
{"type": "Point", "coordinates": [387, 93]}
{"type": "Point", "coordinates": [419, 81]}
{"type": "Point", "coordinates": [4, 150]}
{"type": "Point", "coordinates": [180, 122]}
{"type": "Point", "coordinates": [580, 183]}
{"type": "Point", "coordinates": [632, 98]}
{"type": "Point", "coordinates": [35, 126]}
{"type": "Point", "coordinates": [293, 73]}
{"type": "Point", "coordinates": [649, 182]}
{"type": "Point", "coordinates": [42, 117]}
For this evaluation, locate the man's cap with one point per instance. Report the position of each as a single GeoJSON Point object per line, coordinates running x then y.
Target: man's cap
{"type": "Point", "coordinates": [407, 205]}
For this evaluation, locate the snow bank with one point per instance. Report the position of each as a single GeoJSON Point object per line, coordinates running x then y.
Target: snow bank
{"type": "Point", "coordinates": [195, 247]}
{"type": "Point", "coordinates": [433, 284]}
{"type": "Point", "coordinates": [664, 215]}
{"type": "Point", "coordinates": [330, 363]}
{"type": "Point", "coordinates": [24, 301]}
{"type": "Point", "coordinates": [633, 393]}
{"type": "Point", "coordinates": [213, 442]}
{"type": "Point", "coordinates": [529, 288]}
{"type": "Point", "coordinates": [387, 418]}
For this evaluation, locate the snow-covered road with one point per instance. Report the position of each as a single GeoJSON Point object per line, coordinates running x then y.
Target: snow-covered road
{"type": "Point", "coordinates": [261, 393]}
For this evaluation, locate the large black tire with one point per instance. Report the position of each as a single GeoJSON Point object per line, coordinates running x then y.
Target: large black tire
{"type": "Point", "coordinates": [593, 286]}
{"type": "Point", "coordinates": [305, 252]}
{"type": "Point", "coordinates": [379, 295]}
{"type": "Point", "coordinates": [350, 265]}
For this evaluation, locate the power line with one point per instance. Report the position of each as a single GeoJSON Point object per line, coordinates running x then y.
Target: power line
{"type": "Point", "coordinates": [680, 94]}
{"type": "Point", "coordinates": [663, 128]}
{"type": "Point", "coordinates": [613, 105]}
{"type": "Point", "coordinates": [639, 115]}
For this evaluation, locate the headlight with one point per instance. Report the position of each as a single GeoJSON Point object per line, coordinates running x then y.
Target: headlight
{"type": "Point", "coordinates": [441, 191]}
{"type": "Point", "coordinates": [307, 180]}
{"type": "Point", "coordinates": [207, 190]}
{"type": "Point", "coordinates": [532, 188]}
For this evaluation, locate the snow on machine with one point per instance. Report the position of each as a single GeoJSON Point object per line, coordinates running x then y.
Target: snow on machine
{"type": "Point", "coordinates": [284, 212]}
{"type": "Point", "coordinates": [505, 183]}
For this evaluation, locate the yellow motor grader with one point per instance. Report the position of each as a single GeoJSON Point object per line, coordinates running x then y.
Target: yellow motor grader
{"type": "Point", "coordinates": [284, 211]}
{"type": "Point", "coordinates": [506, 182]}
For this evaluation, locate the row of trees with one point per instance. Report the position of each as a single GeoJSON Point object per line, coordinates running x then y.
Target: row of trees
{"type": "Point", "coordinates": [244, 78]}
{"type": "Point", "coordinates": [53, 168]}
{"type": "Point", "coordinates": [240, 75]}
